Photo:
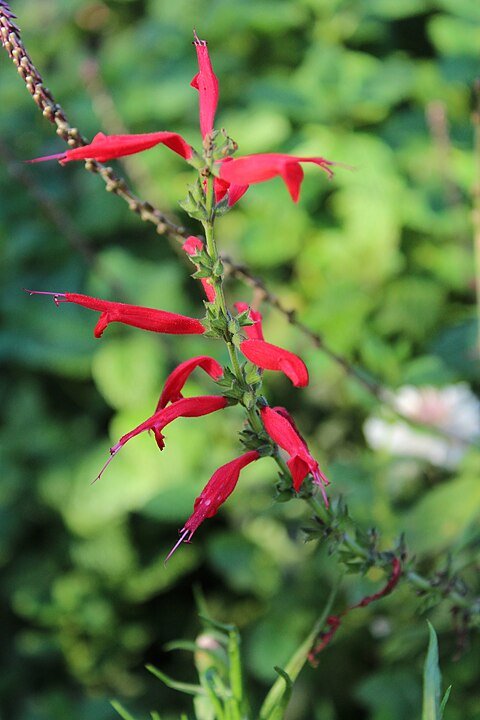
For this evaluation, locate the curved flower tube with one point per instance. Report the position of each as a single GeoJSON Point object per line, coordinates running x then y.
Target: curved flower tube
{"type": "Point", "coordinates": [191, 246]}
{"type": "Point", "coordinates": [251, 169]}
{"type": "Point", "coordinates": [272, 357]}
{"type": "Point", "coordinates": [159, 321]}
{"type": "Point", "coordinates": [281, 428]}
{"type": "Point", "coordinates": [176, 380]}
{"type": "Point", "coordinates": [186, 407]}
{"type": "Point", "coordinates": [206, 82]}
{"type": "Point", "coordinates": [108, 147]}
{"type": "Point", "coordinates": [216, 491]}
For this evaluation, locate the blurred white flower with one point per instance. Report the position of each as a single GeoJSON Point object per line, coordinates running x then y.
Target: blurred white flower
{"type": "Point", "coordinates": [453, 409]}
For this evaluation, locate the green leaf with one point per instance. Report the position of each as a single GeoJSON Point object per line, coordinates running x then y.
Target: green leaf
{"type": "Point", "coordinates": [431, 680]}
{"type": "Point", "coordinates": [445, 699]}
{"type": "Point", "coordinates": [121, 710]}
{"type": "Point", "coordinates": [279, 711]}
{"type": "Point", "coordinates": [187, 688]}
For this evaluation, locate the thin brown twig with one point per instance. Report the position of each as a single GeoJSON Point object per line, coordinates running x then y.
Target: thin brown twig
{"type": "Point", "coordinates": [11, 40]}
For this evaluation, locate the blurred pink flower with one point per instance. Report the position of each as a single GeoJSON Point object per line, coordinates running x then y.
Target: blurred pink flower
{"type": "Point", "coordinates": [453, 409]}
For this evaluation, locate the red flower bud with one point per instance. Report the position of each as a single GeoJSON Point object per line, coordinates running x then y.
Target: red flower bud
{"type": "Point", "coordinates": [281, 428]}
{"type": "Point", "coordinates": [255, 331]}
{"type": "Point", "coordinates": [264, 166]}
{"type": "Point", "coordinates": [271, 357]}
{"type": "Point", "coordinates": [191, 246]}
{"type": "Point", "coordinates": [177, 379]}
{"type": "Point", "coordinates": [216, 491]}
{"type": "Point", "coordinates": [206, 82]}
{"type": "Point", "coordinates": [145, 318]}
{"type": "Point", "coordinates": [108, 147]}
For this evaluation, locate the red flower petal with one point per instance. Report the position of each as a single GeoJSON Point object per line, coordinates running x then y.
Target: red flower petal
{"type": "Point", "coordinates": [264, 166]}
{"type": "Point", "coordinates": [206, 82]}
{"type": "Point", "coordinates": [108, 147]}
{"type": "Point", "coordinates": [191, 246]}
{"type": "Point", "coordinates": [255, 331]}
{"type": "Point", "coordinates": [145, 318]}
{"type": "Point", "coordinates": [271, 357]}
{"type": "Point", "coordinates": [177, 379]}
{"type": "Point", "coordinates": [281, 428]}
{"type": "Point", "coordinates": [222, 187]}
{"type": "Point", "coordinates": [216, 491]}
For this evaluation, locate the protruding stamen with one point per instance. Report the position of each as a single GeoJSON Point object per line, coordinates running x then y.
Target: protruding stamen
{"type": "Point", "coordinates": [57, 156]}
{"type": "Point", "coordinates": [57, 297]}
{"type": "Point", "coordinates": [196, 40]}
{"type": "Point", "coordinates": [113, 452]}
{"type": "Point", "coordinates": [184, 534]}
{"type": "Point", "coordinates": [320, 480]}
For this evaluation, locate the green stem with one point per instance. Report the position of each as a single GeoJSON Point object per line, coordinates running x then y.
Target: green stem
{"type": "Point", "coordinates": [211, 244]}
{"type": "Point", "coordinates": [212, 250]}
{"type": "Point", "coordinates": [319, 509]}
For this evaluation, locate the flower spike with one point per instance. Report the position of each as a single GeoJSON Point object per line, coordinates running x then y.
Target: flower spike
{"type": "Point", "coordinates": [109, 147]}
{"type": "Point", "coordinates": [251, 169]}
{"type": "Point", "coordinates": [281, 428]}
{"type": "Point", "coordinates": [216, 491]}
{"type": "Point", "coordinates": [145, 318]}
{"type": "Point", "coordinates": [206, 82]}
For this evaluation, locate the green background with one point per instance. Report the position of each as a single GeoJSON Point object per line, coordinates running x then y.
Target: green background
{"type": "Point", "coordinates": [379, 261]}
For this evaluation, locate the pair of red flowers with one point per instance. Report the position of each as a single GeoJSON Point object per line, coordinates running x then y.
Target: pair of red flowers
{"type": "Point", "coordinates": [233, 176]}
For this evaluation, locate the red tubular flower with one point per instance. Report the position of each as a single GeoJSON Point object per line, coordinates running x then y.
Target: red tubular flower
{"type": "Point", "coordinates": [191, 246]}
{"type": "Point", "coordinates": [255, 331]}
{"type": "Point", "coordinates": [222, 187]}
{"type": "Point", "coordinates": [186, 407]}
{"type": "Point", "coordinates": [177, 379]}
{"type": "Point", "coordinates": [145, 318]}
{"type": "Point", "coordinates": [108, 147]}
{"type": "Point", "coordinates": [258, 168]}
{"type": "Point", "coordinates": [272, 357]}
{"type": "Point", "coordinates": [216, 491]}
{"type": "Point", "coordinates": [206, 82]}
{"type": "Point", "coordinates": [281, 428]}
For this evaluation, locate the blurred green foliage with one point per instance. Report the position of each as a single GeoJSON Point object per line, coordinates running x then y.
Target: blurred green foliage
{"type": "Point", "coordinates": [379, 261]}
